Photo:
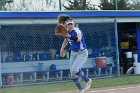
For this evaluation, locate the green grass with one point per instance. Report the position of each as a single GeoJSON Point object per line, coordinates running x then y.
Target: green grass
{"type": "Point", "coordinates": [46, 88]}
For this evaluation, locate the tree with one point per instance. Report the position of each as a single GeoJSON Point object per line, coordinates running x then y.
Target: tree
{"type": "Point", "coordinates": [79, 5]}
{"type": "Point", "coordinates": [3, 3]}
{"type": "Point", "coordinates": [27, 5]}
{"type": "Point", "coordinates": [124, 5]}
{"type": "Point", "coordinates": [106, 5]}
{"type": "Point", "coordinates": [136, 5]}
{"type": "Point", "coordinates": [111, 5]}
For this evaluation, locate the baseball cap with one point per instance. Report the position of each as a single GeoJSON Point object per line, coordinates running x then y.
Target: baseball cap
{"type": "Point", "coordinates": [70, 21]}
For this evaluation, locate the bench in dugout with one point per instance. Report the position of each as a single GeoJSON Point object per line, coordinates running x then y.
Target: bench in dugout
{"type": "Point", "coordinates": [58, 72]}
{"type": "Point", "coordinates": [18, 77]}
{"type": "Point", "coordinates": [31, 73]}
{"type": "Point", "coordinates": [19, 72]}
{"type": "Point", "coordinates": [44, 71]}
{"type": "Point", "coordinates": [62, 72]}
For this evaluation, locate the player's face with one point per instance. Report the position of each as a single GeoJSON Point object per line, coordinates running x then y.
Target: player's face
{"type": "Point", "coordinates": [70, 26]}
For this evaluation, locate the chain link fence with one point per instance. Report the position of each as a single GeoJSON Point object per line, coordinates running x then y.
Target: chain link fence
{"type": "Point", "coordinates": [30, 53]}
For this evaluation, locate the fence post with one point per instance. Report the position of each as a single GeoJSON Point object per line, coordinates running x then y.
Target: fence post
{"type": "Point", "coordinates": [0, 71]}
{"type": "Point", "coordinates": [138, 43]}
{"type": "Point", "coordinates": [117, 50]}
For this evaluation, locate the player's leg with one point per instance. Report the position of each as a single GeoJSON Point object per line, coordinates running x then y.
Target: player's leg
{"type": "Point", "coordinates": [85, 78]}
{"type": "Point", "coordinates": [72, 59]}
{"type": "Point", "coordinates": [74, 76]}
{"type": "Point", "coordinates": [79, 62]}
{"type": "Point", "coordinates": [76, 80]}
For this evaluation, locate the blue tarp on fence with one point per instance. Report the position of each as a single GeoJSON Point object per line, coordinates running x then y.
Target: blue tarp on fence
{"type": "Point", "coordinates": [71, 13]}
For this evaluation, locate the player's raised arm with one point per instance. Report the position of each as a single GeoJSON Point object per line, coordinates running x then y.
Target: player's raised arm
{"type": "Point", "coordinates": [64, 44]}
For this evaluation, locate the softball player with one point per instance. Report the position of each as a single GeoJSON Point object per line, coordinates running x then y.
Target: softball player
{"type": "Point", "coordinates": [78, 56]}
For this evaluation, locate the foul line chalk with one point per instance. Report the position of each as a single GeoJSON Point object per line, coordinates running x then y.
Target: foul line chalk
{"type": "Point", "coordinates": [98, 91]}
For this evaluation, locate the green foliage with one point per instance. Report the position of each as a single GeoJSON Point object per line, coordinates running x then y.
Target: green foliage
{"type": "Point", "coordinates": [124, 5]}
{"type": "Point", "coordinates": [79, 5]}
{"type": "Point", "coordinates": [136, 6]}
{"type": "Point", "coordinates": [106, 5]}
{"type": "Point", "coordinates": [110, 5]}
{"type": "Point", "coordinates": [3, 3]}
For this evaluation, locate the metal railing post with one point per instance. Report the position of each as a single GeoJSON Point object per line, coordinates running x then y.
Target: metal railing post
{"type": "Point", "coordinates": [0, 71]}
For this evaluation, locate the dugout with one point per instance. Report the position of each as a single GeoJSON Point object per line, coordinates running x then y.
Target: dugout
{"type": "Point", "coordinates": [28, 37]}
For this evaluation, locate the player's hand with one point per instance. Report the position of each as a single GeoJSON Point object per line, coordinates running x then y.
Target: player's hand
{"type": "Point", "coordinates": [62, 52]}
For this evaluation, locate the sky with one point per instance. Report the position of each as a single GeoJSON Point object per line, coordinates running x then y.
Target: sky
{"type": "Point", "coordinates": [95, 1]}
{"type": "Point", "coordinates": [39, 5]}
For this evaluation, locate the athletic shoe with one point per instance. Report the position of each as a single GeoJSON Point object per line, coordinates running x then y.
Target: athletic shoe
{"type": "Point", "coordinates": [88, 84]}
{"type": "Point", "coordinates": [82, 91]}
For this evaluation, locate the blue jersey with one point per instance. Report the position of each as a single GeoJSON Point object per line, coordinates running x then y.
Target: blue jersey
{"type": "Point", "coordinates": [77, 45]}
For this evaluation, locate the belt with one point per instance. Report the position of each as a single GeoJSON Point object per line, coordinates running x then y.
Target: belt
{"type": "Point", "coordinates": [78, 50]}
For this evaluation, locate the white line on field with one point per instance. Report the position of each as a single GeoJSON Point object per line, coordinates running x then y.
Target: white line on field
{"type": "Point", "coordinates": [113, 89]}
